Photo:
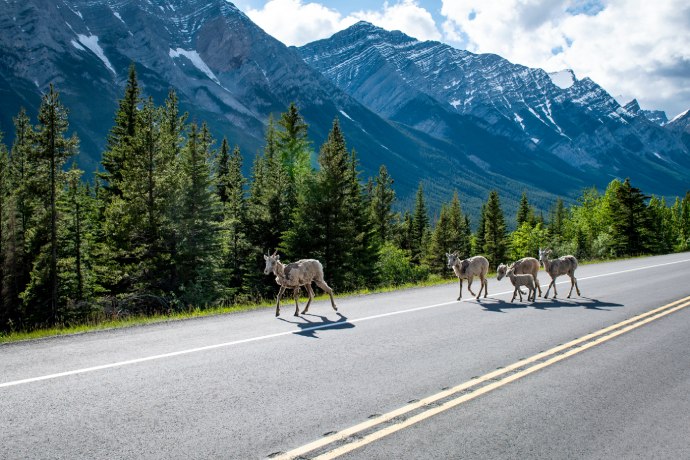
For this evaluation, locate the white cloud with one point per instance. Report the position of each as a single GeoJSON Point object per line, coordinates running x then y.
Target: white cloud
{"type": "Point", "coordinates": [295, 22]}
{"type": "Point", "coordinates": [633, 48]}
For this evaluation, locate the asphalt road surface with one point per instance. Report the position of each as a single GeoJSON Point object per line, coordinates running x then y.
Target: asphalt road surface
{"type": "Point", "coordinates": [410, 374]}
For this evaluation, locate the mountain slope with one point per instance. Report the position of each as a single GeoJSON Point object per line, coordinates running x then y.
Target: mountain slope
{"type": "Point", "coordinates": [230, 73]}
{"type": "Point", "coordinates": [547, 115]}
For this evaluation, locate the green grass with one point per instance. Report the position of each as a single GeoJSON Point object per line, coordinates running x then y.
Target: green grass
{"type": "Point", "coordinates": [434, 280]}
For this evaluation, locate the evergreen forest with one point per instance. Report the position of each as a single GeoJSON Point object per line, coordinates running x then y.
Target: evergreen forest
{"type": "Point", "coordinates": [170, 223]}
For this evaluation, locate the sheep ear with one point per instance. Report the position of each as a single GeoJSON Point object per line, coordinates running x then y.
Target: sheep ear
{"type": "Point", "coordinates": [277, 257]}
{"type": "Point", "coordinates": [265, 257]}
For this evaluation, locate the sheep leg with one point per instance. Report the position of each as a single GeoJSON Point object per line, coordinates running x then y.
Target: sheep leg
{"type": "Point", "coordinates": [469, 284]}
{"type": "Point", "coordinates": [482, 285]}
{"type": "Point", "coordinates": [460, 295]}
{"type": "Point", "coordinates": [573, 284]}
{"type": "Point", "coordinates": [546, 296]}
{"type": "Point", "coordinates": [280, 294]}
{"type": "Point", "coordinates": [514, 293]}
{"type": "Point", "coordinates": [322, 284]}
{"type": "Point", "coordinates": [536, 282]}
{"type": "Point", "coordinates": [295, 293]}
{"type": "Point", "coordinates": [310, 292]}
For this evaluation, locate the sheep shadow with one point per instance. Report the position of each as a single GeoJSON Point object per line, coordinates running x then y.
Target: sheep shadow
{"type": "Point", "coordinates": [586, 302]}
{"type": "Point", "coordinates": [309, 328]}
{"type": "Point", "coordinates": [499, 305]}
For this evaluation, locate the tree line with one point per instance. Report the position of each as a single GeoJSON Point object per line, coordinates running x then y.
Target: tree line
{"type": "Point", "coordinates": [170, 223]}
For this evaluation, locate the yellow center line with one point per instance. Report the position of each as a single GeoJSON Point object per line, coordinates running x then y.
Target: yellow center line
{"type": "Point", "coordinates": [626, 326]}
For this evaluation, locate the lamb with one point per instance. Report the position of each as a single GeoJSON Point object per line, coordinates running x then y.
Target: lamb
{"type": "Point", "coordinates": [525, 265]}
{"type": "Point", "coordinates": [297, 274]}
{"type": "Point", "coordinates": [468, 269]}
{"type": "Point", "coordinates": [524, 279]}
{"type": "Point", "coordinates": [565, 265]}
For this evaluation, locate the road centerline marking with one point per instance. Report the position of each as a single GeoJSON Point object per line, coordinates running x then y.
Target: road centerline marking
{"type": "Point", "coordinates": [556, 354]}
{"type": "Point", "coordinates": [287, 333]}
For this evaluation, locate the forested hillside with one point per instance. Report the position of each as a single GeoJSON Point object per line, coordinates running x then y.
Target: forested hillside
{"type": "Point", "coordinates": [172, 224]}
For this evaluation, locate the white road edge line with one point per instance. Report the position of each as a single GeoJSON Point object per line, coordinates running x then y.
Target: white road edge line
{"type": "Point", "coordinates": [285, 333]}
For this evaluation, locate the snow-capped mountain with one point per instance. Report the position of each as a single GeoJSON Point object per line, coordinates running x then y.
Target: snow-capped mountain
{"type": "Point", "coordinates": [550, 114]}
{"type": "Point", "coordinates": [448, 118]}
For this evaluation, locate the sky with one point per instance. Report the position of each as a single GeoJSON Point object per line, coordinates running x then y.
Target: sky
{"type": "Point", "coordinates": [632, 48]}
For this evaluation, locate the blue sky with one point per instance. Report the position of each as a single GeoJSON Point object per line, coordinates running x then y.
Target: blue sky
{"type": "Point", "coordinates": [633, 48]}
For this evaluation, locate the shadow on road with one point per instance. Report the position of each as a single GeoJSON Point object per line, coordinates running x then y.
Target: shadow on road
{"type": "Point", "coordinates": [310, 328]}
{"type": "Point", "coordinates": [498, 305]}
{"type": "Point", "coordinates": [586, 302]}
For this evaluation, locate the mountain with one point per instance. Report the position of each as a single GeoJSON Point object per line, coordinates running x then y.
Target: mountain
{"type": "Point", "coordinates": [655, 116]}
{"type": "Point", "coordinates": [231, 74]}
{"type": "Point", "coordinates": [430, 86]}
{"type": "Point", "coordinates": [228, 72]}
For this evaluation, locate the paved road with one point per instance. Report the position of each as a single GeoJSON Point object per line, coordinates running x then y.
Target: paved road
{"type": "Point", "coordinates": [249, 385]}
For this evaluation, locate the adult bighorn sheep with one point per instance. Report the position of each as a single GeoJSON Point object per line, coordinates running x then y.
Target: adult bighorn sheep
{"type": "Point", "coordinates": [525, 265]}
{"type": "Point", "coordinates": [297, 274]}
{"type": "Point", "coordinates": [565, 265]}
{"type": "Point", "coordinates": [468, 269]}
{"type": "Point", "coordinates": [524, 279]}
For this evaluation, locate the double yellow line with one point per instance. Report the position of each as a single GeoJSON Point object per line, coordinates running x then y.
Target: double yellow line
{"type": "Point", "coordinates": [337, 444]}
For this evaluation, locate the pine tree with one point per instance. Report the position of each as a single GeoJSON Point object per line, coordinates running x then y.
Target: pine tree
{"type": "Point", "coordinates": [525, 212]}
{"type": "Point", "coordinates": [295, 149]}
{"type": "Point", "coordinates": [52, 150]}
{"type": "Point", "coordinates": [630, 227]}
{"type": "Point", "coordinates": [495, 243]}
{"type": "Point", "coordinates": [420, 226]}
{"type": "Point", "coordinates": [235, 247]}
{"type": "Point", "coordinates": [198, 249]}
{"type": "Point", "coordinates": [121, 136]}
{"type": "Point", "coordinates": [20, 209]}
{"type": "Point", "coordinates": [480, 235]}
{"type": "Point", "coordinates": [382, 198]}
{"type": "Point", "coordinates": [460, 236]}
{"type": "Point", "coordinates": [4, 201]}
{"type": "Point", "coordinates": [557, 220]}
{"type": "Point", "coordinates": [439, 243]}
{"type": "Point", "coordinates": [322, 225]}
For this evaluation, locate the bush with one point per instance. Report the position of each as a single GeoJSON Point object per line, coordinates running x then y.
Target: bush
{"type": "Point", "coordinates": [395, 268]}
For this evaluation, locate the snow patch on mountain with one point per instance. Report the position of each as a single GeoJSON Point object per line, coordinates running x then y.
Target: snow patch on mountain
{"type": "Point", "coordinates": [195, 59]}
{"type": "Point", "coordinates": [91, 42]}
{"type": "Point", "coordinates": [564, 79]}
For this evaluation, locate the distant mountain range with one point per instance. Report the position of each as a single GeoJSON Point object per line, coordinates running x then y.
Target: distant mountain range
{"type": "Point", "coordinates": [446, 117]}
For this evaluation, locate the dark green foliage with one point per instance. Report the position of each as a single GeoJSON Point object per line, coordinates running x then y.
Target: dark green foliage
{"type": "Point", "coordinates": [420, 227]}
{"type": "Point", "coordinates": [631, 223]}
{"type": "Point", "coordinates": [51, 151]}
{"type": "Point", "coordinates": [382, 198]}
{"type": "Point", "coordinates": [525, 212]}
{"type": "Point", "coordinates": [169, 224]}
{"type": "Point", "coordinates": [121, 136]}
{"type": "Point", "coordinates": [495, 242]}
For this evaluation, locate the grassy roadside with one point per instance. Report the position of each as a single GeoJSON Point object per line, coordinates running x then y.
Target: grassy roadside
{"type": "Point", "coordinates": [197, 313]}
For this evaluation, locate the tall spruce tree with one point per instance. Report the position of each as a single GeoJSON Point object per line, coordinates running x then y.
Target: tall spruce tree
{"type": "Point", "coordinates": [234, 243]}
{"type": "Point", "coordinates": [382, 198]}
{"type": "Point", "coordinates": [420, 226]}
{"type": "Point", "coordinates": [121, 136]}
{"type": "Point", "coordinates": [460, 235]}
{"type": "Point", "coordinates": [52, 149]}
{"type": "Point", "coordinates": [323, 227]}
{"type": "Point", "coordinates": [525, 212]}
{"type": "Point", "coordinates": [19, 214]}
{"type": "Point", "coordinates": [198, 248]}
{"type": "Point", "coordinates": [495, 242]}
{"type": "Point", "coordinates": [631, 224]}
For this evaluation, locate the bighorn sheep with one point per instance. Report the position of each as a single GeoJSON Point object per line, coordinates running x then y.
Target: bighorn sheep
{"type": "Point", "coordinates": [523, 279]}
{"type": "Point", "coordinates": [296, 274]}
{"type": "Point", "coordinates": [468, 269]}
{"type": "Point", "coordinates": [525, 265]}
{"type": "Point", "coordinates": [565, 265]}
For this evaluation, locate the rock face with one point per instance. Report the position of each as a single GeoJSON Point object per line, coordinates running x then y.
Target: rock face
{"type": "Point", "coordinates": [549, 114]}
